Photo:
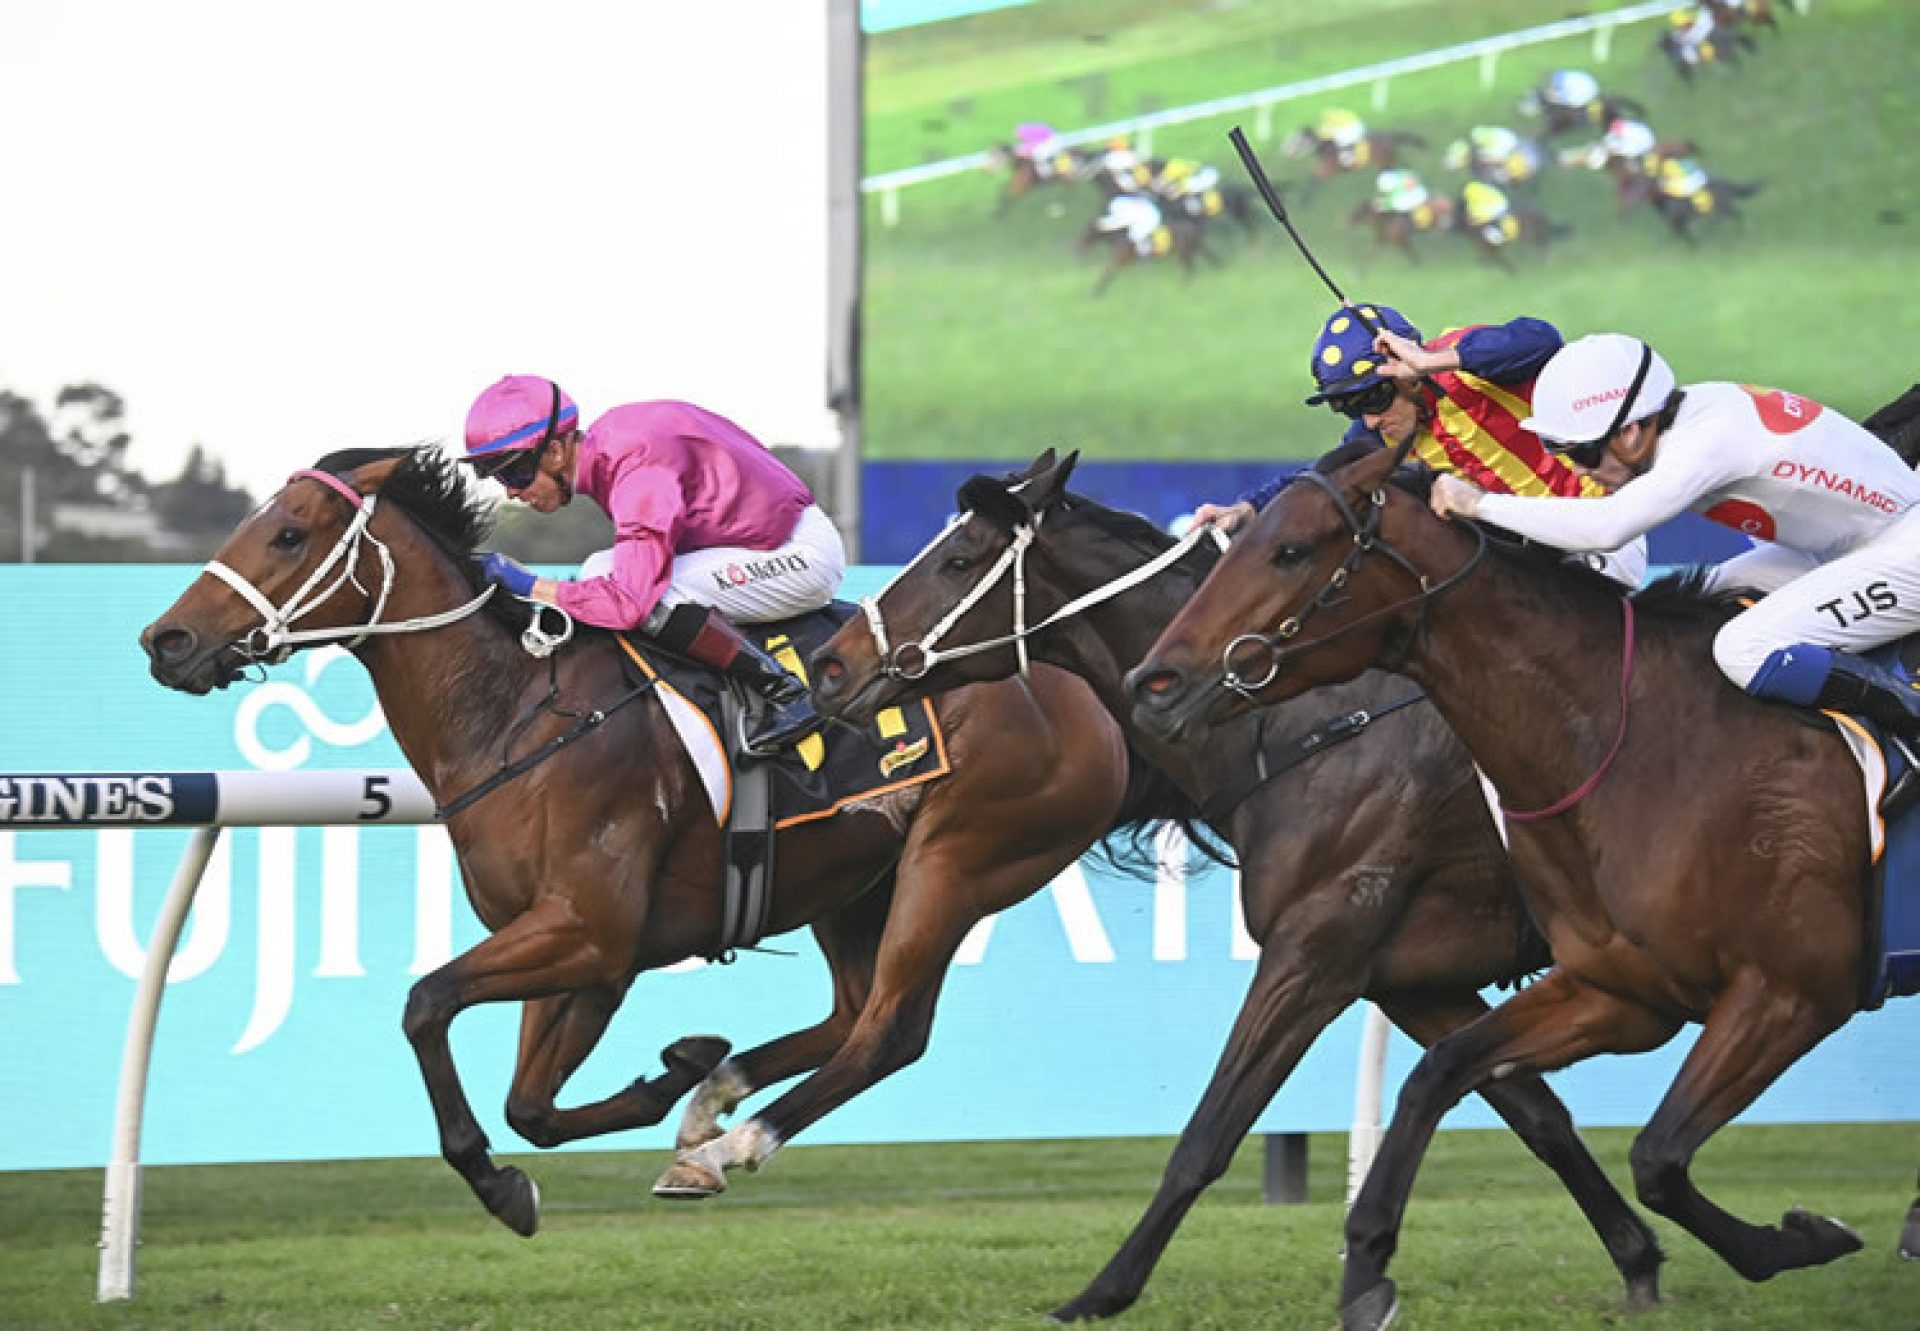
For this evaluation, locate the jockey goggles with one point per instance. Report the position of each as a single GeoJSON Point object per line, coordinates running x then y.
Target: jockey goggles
{"type": "Point", "coordinates": [521, 467]}
{"type": "Point", "coordinates": [1368, 401]}
{"type": "Point", "coordinates": [1589, 453]}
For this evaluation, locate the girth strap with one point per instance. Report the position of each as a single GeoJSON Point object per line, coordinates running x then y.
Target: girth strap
{"type": "Point", "coordinates": [1322, 737]}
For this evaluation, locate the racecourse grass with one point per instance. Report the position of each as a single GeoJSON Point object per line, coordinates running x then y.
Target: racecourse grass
{"type": "Point", "coordinates": [982, 339]}
{"type": "Point", "coordinates": [974, 1235]}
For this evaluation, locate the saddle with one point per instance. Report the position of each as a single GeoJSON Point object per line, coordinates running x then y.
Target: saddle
{"type": "Point", "coordinates": [821, 775]}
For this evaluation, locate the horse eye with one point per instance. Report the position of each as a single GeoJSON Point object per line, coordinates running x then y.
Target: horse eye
{"type": "Point", "coordinates": [288, 538]}
{"type": "Point", "coordinates": [960, 563]}
{"type": "Point", "coordinates": [1289, 554]}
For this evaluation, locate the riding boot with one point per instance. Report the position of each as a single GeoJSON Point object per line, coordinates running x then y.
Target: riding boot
{"type": "Point", "coordinates": [705, 635]}
{"type": "Point", "coordinates": [1859, 686]}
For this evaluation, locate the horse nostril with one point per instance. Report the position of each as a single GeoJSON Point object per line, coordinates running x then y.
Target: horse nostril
{"type": "Point", "coordinates": [171, 645]}
{"type": "Point", "coordinates": [830, 668]}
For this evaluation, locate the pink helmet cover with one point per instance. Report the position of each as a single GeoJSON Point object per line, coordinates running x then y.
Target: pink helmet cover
{"type": "Point", "coordinates": [518, 412]}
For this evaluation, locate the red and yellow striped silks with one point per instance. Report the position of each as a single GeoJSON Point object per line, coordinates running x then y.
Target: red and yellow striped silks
{"type": "Point", "coordinates": [1475, 432]}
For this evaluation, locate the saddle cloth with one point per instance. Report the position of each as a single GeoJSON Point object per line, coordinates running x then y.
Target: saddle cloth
{"type": "Point", "coordinates": [823, 773]}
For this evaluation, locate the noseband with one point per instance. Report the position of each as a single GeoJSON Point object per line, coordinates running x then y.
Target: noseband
{"type": "Point", "coordinates": [1365, 528]}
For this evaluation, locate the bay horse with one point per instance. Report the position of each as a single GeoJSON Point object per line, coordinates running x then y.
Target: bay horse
{"type": "Point", "coordinates": [1710, 199]}
{"type": "Point", "coordinates": [1061, 166]}
{"type": "Point", "coordinates": [1521, 226]}
{"type": "Point", "coordinates": [1370, 869]}
{"type": "Point", "coordinates": [1178, 237]}
{"type": "Point", "coordinates": [604, 860]}
{"type": "Point", "coordinates": [1378, 150]}
{"type": "Point", "coordinates": [1704, 859]}
{"type": "Point", "coordinates": [1395, 229]}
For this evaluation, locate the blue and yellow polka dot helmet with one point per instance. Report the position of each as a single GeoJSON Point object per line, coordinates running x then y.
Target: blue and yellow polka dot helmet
{"type": "Point", "coordinates": [1344, 360]}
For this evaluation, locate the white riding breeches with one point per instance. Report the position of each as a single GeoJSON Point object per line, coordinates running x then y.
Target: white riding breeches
{"type": "Point", "coordinates": [1861, 600]}
{"type": "Point", "coordinates": [753, 586]}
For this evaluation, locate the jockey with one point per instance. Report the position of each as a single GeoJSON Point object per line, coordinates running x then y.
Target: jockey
{"type": "Point", "coordinates": [1459, 398]}
{"type": "Point", "coordinates": [1033, 140]}
{"type": "Point", "coordinates": [709, 526]}
{"type": "Point", "coordinates": [1835, 511]}
{"type": "Point", "coordinates": [1135, 214]}
{"type": "Point", "coordinates": [1182, 176]}
{"type": "Point", "coordinates": [1681, 177]}
{"type": "Point", "coordinates": [1398, 191]}
{"type": "Point", "coordinates": [1123, 165]}
{"type": "Point", "coordinates": [1692, 28]}
{"type": "Point", "coordinates": [1486, 147]}
{"type": "Point", "coordinates": [1571, 89]}
{"type": "Point", "coordinates": [1486, 207]}
{"type": "Point", "coordinates": [1342, 129]}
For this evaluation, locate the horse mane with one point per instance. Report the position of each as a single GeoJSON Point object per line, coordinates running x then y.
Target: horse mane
{"type": "Point", "coordinates": [443, 499]}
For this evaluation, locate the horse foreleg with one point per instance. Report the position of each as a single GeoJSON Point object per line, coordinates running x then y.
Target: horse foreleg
{"type": "Point", "coordinates": [1758, 1028]}
{"type": "Point", "coordinates": [1539, 1119]}
{"type": "Point", "coordinates": [542, 952]}
{"type": "Point", "coordinates": [1545, 1026]}
{"type": "Point", "coordinates": [849, 938]}
{"type": "Point", "coordinates": [1107, 275]}
{"type": "Point", "coordinates": [556, 1035]}
{"type": "Point", "coordinates": [1283, 1013]}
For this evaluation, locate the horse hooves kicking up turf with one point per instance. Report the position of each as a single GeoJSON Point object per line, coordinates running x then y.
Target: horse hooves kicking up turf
{"type": "Point", "coordinates": [688, 1181]}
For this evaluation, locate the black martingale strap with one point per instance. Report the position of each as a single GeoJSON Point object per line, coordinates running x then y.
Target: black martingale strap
{"type": "Point", "coordinates": [521, 766]}
{"type": "Point", "coordinates": [1326, 735]}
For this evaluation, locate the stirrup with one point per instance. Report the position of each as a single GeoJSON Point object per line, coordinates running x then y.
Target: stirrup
{"type": "Point", "coordinates": [779, 740]}
{"type": "Point", "coordinates": [1900, 795]}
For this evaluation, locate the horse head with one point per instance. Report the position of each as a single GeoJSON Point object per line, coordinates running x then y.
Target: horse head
{"type": "Point", "coordinates": [1331, 578]}
{"type": "Point", "coordinates": [315, 564]}
{"type": "Point", "coordinates": [956, 612]}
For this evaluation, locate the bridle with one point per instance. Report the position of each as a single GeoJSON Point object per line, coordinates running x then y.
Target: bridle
{"type": "Point", "coordinates": [911, 661]}
{"type": "Point", "coordinates": [274, 639]}
{"type": "Point", "coordinates": [1365, 529]}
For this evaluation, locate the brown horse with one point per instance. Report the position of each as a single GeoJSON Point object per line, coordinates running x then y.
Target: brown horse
{"type": "Point", "coordinates": [1396, 823]}
{"type": "Point", "coordinates": [1378, 150]}
{"type": "Point", "coordinates": [604, 860]}
{"type": "Point", "coordinates": [1178, 237]}
{"type": "Point", "coordinates": [1521, 227]}
{"type": "Point", "coordinates": [1597, 114]}
{"type": "Point", "coordinates": [1712, 199]}
{"type": "Point", "coordinates": [1025, 174]}
{"type": "Point", "coordinates": [1396, 229]}
{"type": "Point", "coordinates": [1702, 856]}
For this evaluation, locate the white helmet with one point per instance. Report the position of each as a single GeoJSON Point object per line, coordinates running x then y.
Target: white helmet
{"type": "Point", "coordinates": [1628, 138]}
{"type": "Point", "coordinates": [1582, 394]}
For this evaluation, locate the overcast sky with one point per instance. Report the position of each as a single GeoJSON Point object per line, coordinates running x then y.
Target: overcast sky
{"type": "Point", "coordinates": [280, 229]}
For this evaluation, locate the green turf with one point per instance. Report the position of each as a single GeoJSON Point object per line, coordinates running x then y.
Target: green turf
{"type": "Point", "coordinates": [981, 340]}
{"type": "Point", "coordinates": [979, 1236]}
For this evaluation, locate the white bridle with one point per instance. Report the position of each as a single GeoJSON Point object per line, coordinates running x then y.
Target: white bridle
{"type": "Point", "coordinates": [925, 654]}
{"type": "Point", "coordinates": [274, 640]}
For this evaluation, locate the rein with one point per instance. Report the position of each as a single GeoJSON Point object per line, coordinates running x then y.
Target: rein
{"type": "Point", "coordinates": [1366, 539]}
{"type": "Point", "coordinates": [1587, 787]}
{"type": "Point", "coordinates": [911, 661]}
{"type": "Point", "coordinates": [274, 641]}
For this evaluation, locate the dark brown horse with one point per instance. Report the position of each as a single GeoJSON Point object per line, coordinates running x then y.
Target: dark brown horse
{"type": "Point", "coordinates": [1177, 237]}
{"type": "Point", "coordinates": [1377, 150]}
{"type": "Point", "coordinates": [1702, 198]}
{"type": "Point", "coordinates": [1396, 229]}
{"type": "Point", "coordinates": [1700, 857]}
{"type": "Point", "coordinates": [1521, 227]}
{"type": "Point", "coordinates": [605, 861]}
{"type": "Point", "coordinates": [1371, 869]}
{"type": "Point", "coordinates": [1597, 114]}
{"type": "Point", "coordinates": [1025, 173]}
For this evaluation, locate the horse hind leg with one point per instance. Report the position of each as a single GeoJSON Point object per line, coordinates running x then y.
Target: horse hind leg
{"type": "Point", "coordinates": [849, 940]}
{"type": "Point", "coordinates": [1754, 1033]}
{"type": "Point", "coordinates": [1539, 1118]}
{"type": "Point", "coordinates": [1284, 1011]}
{"type": "Point", "coordinates": [1910, 1235]}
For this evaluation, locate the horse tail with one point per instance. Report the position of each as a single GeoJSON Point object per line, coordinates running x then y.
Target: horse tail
{"type": "Point", "coordinates": [1630, 106]}
{"type": "Point", "coordinates": [1409, 139]}
{"type": "Point", "coordinates": [1741, 189]}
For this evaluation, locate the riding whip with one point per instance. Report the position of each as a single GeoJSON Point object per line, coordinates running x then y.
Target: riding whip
{"type": "Point", "coordinates": [1279, 210]}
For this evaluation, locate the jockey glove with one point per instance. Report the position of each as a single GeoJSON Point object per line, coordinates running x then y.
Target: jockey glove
{"type": "Point", "coordinates": [511, 574]}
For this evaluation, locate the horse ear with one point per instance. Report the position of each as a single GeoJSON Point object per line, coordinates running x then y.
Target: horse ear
{"type": "Point", "coordinates": [1046, 487]}
{"type": "Point", "coordinates": [373, 476]}
{"type": "Point", "coordinates": [1370, 472]}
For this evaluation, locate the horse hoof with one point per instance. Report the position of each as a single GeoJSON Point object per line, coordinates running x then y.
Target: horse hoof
{"type": "Point", "coordinates": [693, 1141]}
{"type": "Point", "coordinates": [1643, 1293]}
{"type": "Point", "coordinates": [518, 1204]}
{"type": "Point", "coordinates": [689, 1182]}
{"type": "Point", "coordinates": [1372, 1311]}
{"type": "Point", "coordinates": [1824, 1237]}
{"type": "Point", "coordinates": [1910, 1236]}
{"type": "Point", "coordinates": [696, 1055]}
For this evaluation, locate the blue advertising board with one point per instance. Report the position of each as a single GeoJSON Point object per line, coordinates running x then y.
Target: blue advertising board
{"type": "Point", "coordinates": [1095, 1008]}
